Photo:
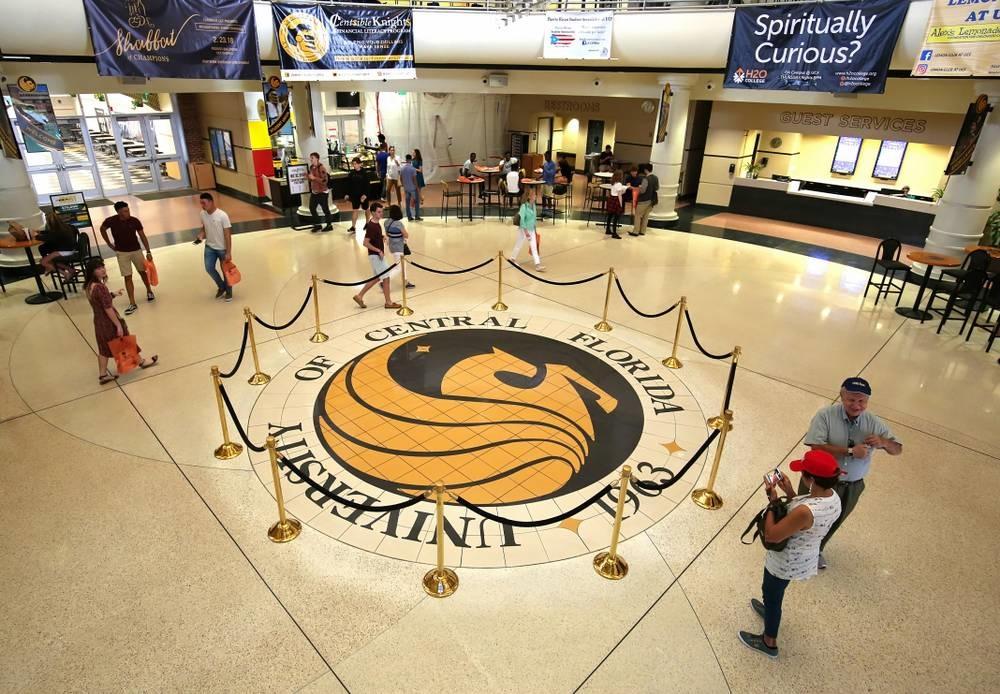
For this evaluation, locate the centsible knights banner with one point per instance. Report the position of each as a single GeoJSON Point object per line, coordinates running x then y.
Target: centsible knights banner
{"type": "Point", "coordinates": [194, 39]}
{"type": "Point", "coordinates": [818, 47]}
{"type": "Point", "coordinates": [963, 39]}
{"type": "Point", "coordinates": [336, 42]}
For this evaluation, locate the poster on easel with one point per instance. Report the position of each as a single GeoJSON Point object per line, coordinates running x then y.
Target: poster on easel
{"type": "Point", "coordinates": [72, 209]}
{"type": "Point", "coordinates": [298, 178]}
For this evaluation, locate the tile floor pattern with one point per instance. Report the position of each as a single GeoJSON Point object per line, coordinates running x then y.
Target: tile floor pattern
{"type": "Point", "coordinates": [134, 559]}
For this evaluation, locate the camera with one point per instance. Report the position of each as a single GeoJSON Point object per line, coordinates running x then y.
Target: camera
{"type": "Point", "coordinates": [597, 83]}
{"type": "Point", "coordinates": [710, 86]}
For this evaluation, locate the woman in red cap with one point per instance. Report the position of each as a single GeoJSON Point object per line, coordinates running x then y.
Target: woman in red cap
{"type": "Point", "coordinates": [809, 518]}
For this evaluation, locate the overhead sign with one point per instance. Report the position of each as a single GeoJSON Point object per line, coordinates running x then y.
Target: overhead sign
{"type": "Point", "coordinates": [819, 47]}
{"type": "Point", "coordinates": [337, 42]}
{"type": "Point", "coordinates": [35, 116]}
{"type": "Point", "coordinates": [962, 40]}
{"type": "Point", "coordinates": [578, 35]}
{"type": "Point", "coordinates": [72, 209]}
{"type": "Point", "coordinates": [195, 39]}
{"type": "Point", "coordinates": [968, 136]}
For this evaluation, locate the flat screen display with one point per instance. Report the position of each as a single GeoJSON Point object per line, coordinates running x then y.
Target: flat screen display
{"type": "Point", "coordinates": [890, 159]}
{"type": "Point", "coordinates": [845, 159]}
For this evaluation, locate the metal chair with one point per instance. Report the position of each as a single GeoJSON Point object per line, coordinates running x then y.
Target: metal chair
{"type": "Point", "coordinates": [887, 259]}
{"type": "Point", "coordinates": [447, 195]}
{"type": "Point", "coordinates": [990, 299]}
{"type": "Point", "coordinates": [968, 289]}
{"type": "Point", "coordinates": [598, 202]}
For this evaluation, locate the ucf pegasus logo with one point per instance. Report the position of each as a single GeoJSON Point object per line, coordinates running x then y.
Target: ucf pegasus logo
{"type": "Point", "coordinates": [304, 37]}
{"type": "Point", "coordinates": [499, 417]}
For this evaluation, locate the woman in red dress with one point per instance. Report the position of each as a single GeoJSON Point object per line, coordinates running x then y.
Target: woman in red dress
{"type": "Point", "coordinates": [108, 325]}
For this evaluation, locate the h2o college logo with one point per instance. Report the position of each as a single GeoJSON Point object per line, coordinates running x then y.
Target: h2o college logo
{"type": "Point", "coordinates": [526, 416]}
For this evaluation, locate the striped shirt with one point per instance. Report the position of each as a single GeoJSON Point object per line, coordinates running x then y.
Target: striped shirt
{"type": "Point", "coordinates": [394, 232]}
{"type": "Point", "coordinates": [800, 558]}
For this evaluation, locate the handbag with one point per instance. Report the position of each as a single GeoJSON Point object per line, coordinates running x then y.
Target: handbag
{"type": "Point", "coordinates": [780, 508]}
{"type": "Point", "coordinates": [126, 353]}
{"type": "Point", "coordinates": [517, 219]}
{"type": "Point", "coordinates": [231, 272]}
{"type": "Point", "coordinates": [406, 249]}
{"type": "Point", "coordinates": [151, 274]}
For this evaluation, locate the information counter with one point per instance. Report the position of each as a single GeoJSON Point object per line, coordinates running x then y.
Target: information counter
{"type": "Point", "coordinates": [829, 205]}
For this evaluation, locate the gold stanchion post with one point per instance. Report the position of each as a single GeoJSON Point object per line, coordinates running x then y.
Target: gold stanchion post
{"type": "Point", "coordinates": [672, 362]}
{"type": "Point", "coordinates": [228, 450]}
{"type": "Point", "coordinates": [259, 378]}
{"type": "Point", "coordinates": [286, 529]}
{"type": "Point", "coordinates": [500, 305]}
{"type": "Point", "coordinates": [716, 422]}
{"type": "Point", "coordinates": [604, 326]}
{"type": "Point", "coordinates": [403, 310]}
{"type": "Point", "coordinates": [610, 564]}
{"type": "Point", "coordinates": [440, 582]}
{"type": "Point", "coordinates": [707, 497]}
{"type": "Point", "coordinates": [319, 335]}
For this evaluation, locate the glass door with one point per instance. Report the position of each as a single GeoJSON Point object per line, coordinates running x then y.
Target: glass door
{"type": "Point", "coordinates": [136, 154]}
{"type": "Point", "coordinates": [72, 170]}
{"type": "Point", "coordinates": [104, 146]}
{"type": "Point", "coordinates": [168, 165]}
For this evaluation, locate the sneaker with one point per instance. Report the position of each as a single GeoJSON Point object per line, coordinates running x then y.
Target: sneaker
{"type": "Point", "coordinates": [410, 285]}
{"type": "Point", "coordinates": [150, 297]}
{"type": "Point", "coordinates": [350, 230]}
{"type": "Point", "coordinates": [756, 642]}
{"type": "Point", "coordinates": [409, 219]}
{"type": "Point", "coordinates": [615, 236]}
{"type": "Point", "coordinates": [130, 309]}
{"type": "Point", "coordinates": [220, 293]}
{"type": "Point", "coordinates": [757, 606]}
{"type": "Point", "coordinates": [539, 268]}
{"type": "Point", "coordinates": [316, 228]}
{"type": "Point", "coordinates": [418, 219]}
{"type": "Point", "coordinates": [632, 233]}
{"type": "Point", "coordinates": [822, 562]}
{"type": "Point", "coordinates": [229, 295]}
{"type": "Point", "coordinates": [328, 227]}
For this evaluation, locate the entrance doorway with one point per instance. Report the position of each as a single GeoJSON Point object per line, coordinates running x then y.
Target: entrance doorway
{"type": "Point", "coordinates": [595, 136]}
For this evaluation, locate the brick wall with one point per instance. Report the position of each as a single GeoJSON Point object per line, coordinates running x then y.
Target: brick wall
{"type": "Point", "coordinates": [194, 138]}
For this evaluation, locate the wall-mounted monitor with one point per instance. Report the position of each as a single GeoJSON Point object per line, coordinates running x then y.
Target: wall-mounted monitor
{"type": "Point", "coordinates": [845, 159]}
{"type": "Point", "coordinates": [889, 160]}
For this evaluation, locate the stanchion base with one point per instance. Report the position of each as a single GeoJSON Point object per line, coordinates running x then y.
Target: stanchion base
{"type": "Point", "coordinates": [672, 363]}
{"type": "Point", "coordinates": [284, 532]}
{"type": "Point", "coordinates": [717, 422]}
{"type": "Point", "coordinates": [613, 568]}
{"type": "Point", "coordinates": [603, 327]}
{"type": "Point", "coordinates": [499, 306]}
{"type": "Point", "coordinates": [259, 379]}
{"type": "Point", "coordinates": [404, 311]}
{"type": "Point", "coordinates": [228, 451]}
{"type": "Point", "coordinates": [707, 499]}
{"type": "Point", "coordinates": [319, 337]}
{"type": "Point", "coordinates": [440, 584]}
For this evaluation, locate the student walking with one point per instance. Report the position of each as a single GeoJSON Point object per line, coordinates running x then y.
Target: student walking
{"type": "Point", "coordinates": [127, 232]}
{"type": "Point", "coordinates": [526, 230]}
{"type": "Point", "coordinates": [411, 186]}
{"type": "Point", "coordinates": [397, 236]}
{"type": "Point", "coordinates": [217, 232]}
{"type": "Point", "coordinates": [358, 187]}
{"type": "Point", "coordinates": [614, 205]}
{"type": "Point", "coordinates": [319, 183]}
{"type": "Point", "coordinates": [376, 258]}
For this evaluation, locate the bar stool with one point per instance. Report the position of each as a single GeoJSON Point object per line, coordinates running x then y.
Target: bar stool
{"type": "Point", "coordinates": [887, 259]}
{"type": "Point", "coordinates": [976, 262]}
{"type": "Point", "coordinates": [990, 299]}
{"type": "Point", "coordinates": [598, 202]}
{"type": "Point", "coordinates": [968, 288]}
{"type": "Point", "coordinates": [447, 195]}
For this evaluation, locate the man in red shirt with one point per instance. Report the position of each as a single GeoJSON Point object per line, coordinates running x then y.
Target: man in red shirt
{"type": "Point", "coordinates": [376, 257]}
{"type": "Point", "coordinates": [127, 231]}
{"type": "Point", "coordinates": [318, 184]}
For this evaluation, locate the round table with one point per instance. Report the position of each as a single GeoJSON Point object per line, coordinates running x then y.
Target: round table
{"type": "Point", "coordinates": [43, 296]}
{"type": "Point", "coordinates": [470, 184]}
{"type": "Point", "coordinates": [994, 251]}
{"type": "Point", "coordinates": [603, 174]}
{"type": "Point", "coordinates": [931, 260]}
{"type": "Point", "coordinates": [490, 171]}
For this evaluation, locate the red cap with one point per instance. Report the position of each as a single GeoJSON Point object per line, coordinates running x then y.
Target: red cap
{"type": "Point", "coordinates": [817, 464]}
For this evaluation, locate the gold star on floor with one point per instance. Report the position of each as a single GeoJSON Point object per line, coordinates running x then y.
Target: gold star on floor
{"type": "Point", "coordinates": [672, 447]}
{"type": "Point", "coordinates": [571, 524]}
{"type": "Point", "coordinates": [423, 349]}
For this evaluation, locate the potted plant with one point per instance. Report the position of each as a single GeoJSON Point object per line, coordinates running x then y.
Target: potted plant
{"type": "Point", "coordinates": [992, 231]}
{"type": "Point", "coordinates": [752, 169]}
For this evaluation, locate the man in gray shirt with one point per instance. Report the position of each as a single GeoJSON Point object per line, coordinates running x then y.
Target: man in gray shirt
{"type": "Point", "coordinates": [851, 434]}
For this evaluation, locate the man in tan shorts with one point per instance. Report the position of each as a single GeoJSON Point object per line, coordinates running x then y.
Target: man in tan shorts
{"type": "Point", "coordinates": [127, 232]}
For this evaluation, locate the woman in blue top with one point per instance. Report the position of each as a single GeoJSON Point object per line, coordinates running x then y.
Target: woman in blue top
{"type": "Point", "coordinates": [418, 164]}
{"type": "Point", "coordinates": [526, 230]}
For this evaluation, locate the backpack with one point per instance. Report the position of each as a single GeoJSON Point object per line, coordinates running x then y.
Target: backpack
{"type": "Point", "coordinates": [780, 508]}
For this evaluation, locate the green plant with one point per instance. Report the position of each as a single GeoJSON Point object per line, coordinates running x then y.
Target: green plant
{"type": "Point", "coordinates": [752, 169]}
{"type": "Point", "coordinates": [937, 194]}
{"type": "Point", "coordinates": [993, 228]}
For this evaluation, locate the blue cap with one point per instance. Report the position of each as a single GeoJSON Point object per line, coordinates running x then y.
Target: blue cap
{"type": "Point", "coordinates": [857, 384]}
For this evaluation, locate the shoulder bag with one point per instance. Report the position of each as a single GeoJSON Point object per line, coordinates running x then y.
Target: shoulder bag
{"type": "Point", "coordinates": [780, 508]}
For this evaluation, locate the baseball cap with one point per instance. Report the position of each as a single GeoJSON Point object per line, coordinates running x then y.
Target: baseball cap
{"type": "Point", "coordinates": [817, 464]}
{"type": "Point", "coordinates": [856, 385]}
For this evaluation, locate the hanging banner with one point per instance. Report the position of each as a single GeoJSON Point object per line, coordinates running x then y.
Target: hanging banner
{"type": "Point", "coordinates": [578, 35]}
{"type": "Point", "coordinates": [962, 40]}
{"type": "Point", "coordinates": [818, 47]}
{"type": "Point", "coordinates": [194, 39]}
{"type": "Point", "coordinates": [336, 42]}
{"type": "Point", "coordinates": [277, 107]}
{"type": "Point", "coordinates": [968, 136]}
{"type": "Point", "coordinates": [8, 145]}
{"type": "Point", "coordinates": [34, 115]}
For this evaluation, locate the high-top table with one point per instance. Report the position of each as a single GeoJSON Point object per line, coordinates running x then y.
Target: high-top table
{"type": "Point", "coordinates": [931, 260]}
{"type": "Point", "coordinates": [43, 296]}
{"type": "Point", "coordinates": [470, 186]}
{"type": "Point", "coordinates": [490, 172]}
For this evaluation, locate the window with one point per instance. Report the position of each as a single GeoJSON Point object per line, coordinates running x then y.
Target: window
{"type": "Point", "coordinates": [221, 142]}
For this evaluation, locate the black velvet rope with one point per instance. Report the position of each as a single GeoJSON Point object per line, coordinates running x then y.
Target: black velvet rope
{"type": "Point", "coordinates": [729, 385]}
{"type": "Point", "coordinates": [657, 486]}
{"type": "Point", "coordinates": [294, 318]}
{"type": "Point", "coordinates": [533, 524]}
{"type": "Point", "coordinates": [621, 290]}
{"type": "Point", "coordinates": [452, 272]}
{"type": "Point", "coordinates": [559, 284]}
{"type": "Point", "coordinates": [694, 336]}
{"type": "Point", "coordinates": [354, 284]}
{"type": "Point", "coordinates": [243, 351]}
{"type": "Point", "coordinates": [411, 501]}
{"type": "Point", "coordinates": [236, 422]}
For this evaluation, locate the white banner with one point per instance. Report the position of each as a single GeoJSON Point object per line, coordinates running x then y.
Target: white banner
{"type": "Point", "coordinates": [578, 35]}
{"type": "Point", "coordinates": [962, 40]}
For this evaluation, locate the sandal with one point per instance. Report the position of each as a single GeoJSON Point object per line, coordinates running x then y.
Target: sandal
{"type": "Point", "coordinates": [394, 305]}
{"type": "Point", "coordinates": [108, 377]}
{"type": "Point", "coordinates": [146, 363]}
{"type": "Point", "coordinates": [358, 301]}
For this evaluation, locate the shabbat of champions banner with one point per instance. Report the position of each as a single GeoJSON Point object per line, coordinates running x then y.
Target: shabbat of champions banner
{"type": "Point", "coordinates": [195, 39]}
{"type": "Point", "coordinates": [820, 47]}
{"type": "Point", "coordinates": [962, 40]}
{"type": "Point", "coordinates": [337, 42]}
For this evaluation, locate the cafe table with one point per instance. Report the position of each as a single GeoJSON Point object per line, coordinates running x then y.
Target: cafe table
{"type": "Point", "coordinates": [490, 172]}
{"type": "Point", "coordinates": [470, 187]}
{"type": "Point", "coordinates": [603, 174]}
{"type": "Point", "coordinates": [993, 251]}
{"type": "Point", "coordinates": [931, 260]}
{"type": "Point", "coordinates": [43, 296]}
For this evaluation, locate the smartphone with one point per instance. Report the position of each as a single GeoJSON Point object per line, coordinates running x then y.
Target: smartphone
{"type": "Point", "coordinates": [196, 241]}
{"type": "Point", "coordinates": [773, 477]}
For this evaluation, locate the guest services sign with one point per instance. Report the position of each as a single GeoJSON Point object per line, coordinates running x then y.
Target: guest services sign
{"type": "Point", "coordinates": [334, 42]}
{"type": "Point", "coordinates": [820, 47]}
{"type": "Point", "coordinates": [195, 39]}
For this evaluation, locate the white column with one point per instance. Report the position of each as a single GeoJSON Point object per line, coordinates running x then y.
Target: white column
{"type": "Point", "coordinates": [18, 203]}
{"type": "Point", "coordinates": [667, 156]}
{"type": "Point", "coordinates": [968, 199]}
{"type": "Point", "coordinates": [309, 140]}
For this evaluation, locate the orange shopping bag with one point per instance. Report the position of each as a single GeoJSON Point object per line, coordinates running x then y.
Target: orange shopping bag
{"type": "Point", "coordinates": [151, 274]}
{"type": "Point", "coordinates": [231, 272]}
{"type": "Point", "coordinates": [126, 353]}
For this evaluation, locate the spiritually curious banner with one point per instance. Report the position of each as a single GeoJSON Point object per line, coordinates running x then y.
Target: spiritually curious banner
{"type": "Point", "coordinates": [578, 35]}
{"type": "Point", "coordinates": [195, 39]}
{"type": "Point", "coordinates": [819, 47]}
{"type": "Point", "coordinates": [337, 42]}
{"type": "Point", "coordinates": [963, 39]}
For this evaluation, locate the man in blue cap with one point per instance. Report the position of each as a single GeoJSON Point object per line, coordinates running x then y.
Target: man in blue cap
{"type": "Point", "coordinates": [851, 434]}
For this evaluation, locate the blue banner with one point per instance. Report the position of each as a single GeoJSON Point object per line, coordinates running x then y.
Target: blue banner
{"type": "Point", "coordinates": [817, 47]}
{"type": "Point", "coordinates": [35, 116]}
{"type": "Point", "coordinates": [337, 42]}
{"type": "Point", "coordinates": [194, 39]}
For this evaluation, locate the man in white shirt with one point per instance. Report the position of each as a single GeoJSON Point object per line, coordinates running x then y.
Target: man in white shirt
{"type": "Point", "coordinates": [392, 167]}
{"type": "Point", "coordinates": [217, 232]}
